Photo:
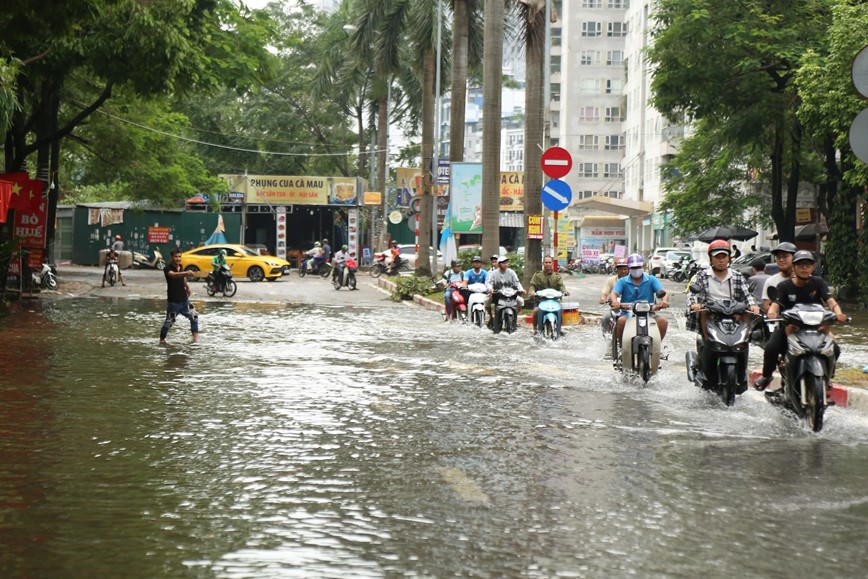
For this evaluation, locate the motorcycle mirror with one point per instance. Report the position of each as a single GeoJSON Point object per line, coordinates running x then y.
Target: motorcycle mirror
{"type": "Point", "coordinates": [693, 289]}
{"type": "Point", "coordinates": [661, 294]}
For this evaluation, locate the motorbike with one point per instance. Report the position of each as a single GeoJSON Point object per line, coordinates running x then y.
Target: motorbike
{"type": "Point", "coordinates": [639, 352]}
{"type": "Point", "coordinates": [312, 267]}
{"type": "Point", "coordinates": [381, 265]}
{"type": "Point", "coordinates": [346, 275]}
{"type": "Point", "coordinates": [221, 283]}
{"type": "Point", "coordinates": [458, 307]}
{"type": "Point", "coordinates": [45, 278]}
{"type": "Point", "coordinates": [808, 364]}
{"type": "Point", "coordinates": [550, 314]}
{"type": "Point", "coordinates": [476, 303]}
{"type": "Point", "coordinates": [112, 273]}
{"type": "Point", "coordinates": [506, 312]}
{"type": "Point", "coordinates": [690, 270]}
{"type": "Point", "coordinates": [677, 272]}
{"type": "Point", "coordinates": [720, 363]}
{"type": "Point", "coordinates": [141, 261]}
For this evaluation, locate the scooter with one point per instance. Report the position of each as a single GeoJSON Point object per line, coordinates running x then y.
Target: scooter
{"type": "Point", "coordinates": [141, 261]}
{"type": "Point", "coordinates": [506, 313]}
{"type": "Point", "coordinates": [639, 352]}
{"type": "Point", "coordinates": [113, 272]}
{"type": "Point", "coordinates": [476, 303]}
{"type": "Point", "coordinates": [382, 264]}
{"type": "Point", "coordinates": [312, 267]}
{"type": "Point", "coordinates": [224, 283]}
{"type": "Point", "coordinates": [720, 364]}
{"type": "Point", "coordinates": [808, 364]}
{"type": "Point", "coordinates": [346, 275]}
{"type": "Point", "coordinates": [46, 277]}
{"type": "Point", "coordinates": [458, 307]}
{"type": "Point", "coordinates": [550, 314]}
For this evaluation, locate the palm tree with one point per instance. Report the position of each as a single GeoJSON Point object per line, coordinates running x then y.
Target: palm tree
{"type": "Point", "coordinates": [491, 102]}
{"type": "Point", "coordinates": [531, 25]}
{"type": "Point", "coordinates": [466, 52]}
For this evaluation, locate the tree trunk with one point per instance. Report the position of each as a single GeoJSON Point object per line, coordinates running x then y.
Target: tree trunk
{"type": "Point", "coordinates": [382, 159]}
{"type": "Point", "coordinates": [491, 126]}
{"type": "Point", "coordinates": [460, 34]}
{"type": "Point", "coordinates": [426, 208]}
{"type": "Point", "coordinates": [534, 136]}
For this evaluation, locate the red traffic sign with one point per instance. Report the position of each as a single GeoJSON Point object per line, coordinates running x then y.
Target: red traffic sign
{"type": "Point", "coordinates": [556, 162]}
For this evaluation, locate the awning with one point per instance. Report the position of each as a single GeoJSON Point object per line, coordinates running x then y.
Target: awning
{"type": "Point", "coordinates": [512, 220]}
{"type": "Point", "coordinates": [600, 221]}
{"type": "Point", "coordinates": [616, 206]}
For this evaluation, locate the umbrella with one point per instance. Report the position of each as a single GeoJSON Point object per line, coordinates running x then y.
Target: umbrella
{"type": "Point", "coordinates": [809, 232]}
{"type": "Point", "coordinates": [727, 232]}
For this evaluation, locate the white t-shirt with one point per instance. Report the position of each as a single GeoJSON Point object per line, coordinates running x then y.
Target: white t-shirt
{"type": "Point", "coordinates": [773, 281]}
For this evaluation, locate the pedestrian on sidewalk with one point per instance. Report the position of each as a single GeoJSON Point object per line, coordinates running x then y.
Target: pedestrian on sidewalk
{"type": "Point", "coordinates": [178, 298]}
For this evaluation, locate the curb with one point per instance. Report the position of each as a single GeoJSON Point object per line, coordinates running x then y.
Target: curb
{"type": "Point", "coordinates": [843, 396]}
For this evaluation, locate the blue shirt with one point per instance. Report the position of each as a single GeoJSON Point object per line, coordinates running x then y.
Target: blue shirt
{"type": "Point", "coordinates": [473, 277]}
{"type": "Point", "coordinates": [644, 292]}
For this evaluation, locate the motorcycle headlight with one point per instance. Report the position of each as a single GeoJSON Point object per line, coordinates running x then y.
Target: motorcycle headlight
{"type": "Point", "coordinates": [642, 307]}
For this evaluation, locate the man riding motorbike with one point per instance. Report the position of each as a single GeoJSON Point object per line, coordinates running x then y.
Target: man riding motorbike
{"type": "Point", "coordinates": [395, 252]}
{"type": "Point", "coordinates": [621, 270]}
{"type": "Point", "coordinates": [455, 275]}
{"type": "Point", "coordinates": [500, 278]}
{"type": "Point", "coordinates": [316, 256]}
{"type": "Point", "coordinates": [217, 264]}
{"type": "Point", "coordinates": [547, 278]}
{"type": "Point", "coordinates": [638, 286]}
{"type": "Point", "coordinates": [339, 261]}
{"type": "Point", "coordinates": [783, 255]}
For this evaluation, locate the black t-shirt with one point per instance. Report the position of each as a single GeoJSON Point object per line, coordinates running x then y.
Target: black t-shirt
{"type": "Point", "coordinates": [816, 291]}
{"type": "Point", "coordinates": [175, 290]}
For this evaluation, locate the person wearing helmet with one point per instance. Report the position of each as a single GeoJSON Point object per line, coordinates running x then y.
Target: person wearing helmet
{"type": "Point", "coordinates": [547, 278]}
{"type": "Point", "coordinates": [718, 282]}
{"type": "Point", "coordinates": [315, 256]}
{"type": "Point", "coordinates": [454, 278]}
{"type": "Point", "coordinates": [802, 288]}
{"type": "Point", "coordinates": [783, 255]}
{"type": "Point", "coordinates": [621, 270]}
{"type": "Point", "coordinates": [477, 274]}
{"type": "Point", "coordinates": [118, 244]}
{"type": "Point", "coordinates": [395, 252]}
{"type": "Point", "coordinates": [500, 278]}
{"type": "Point", "coordinates": [217, 264]}
{"type": "Point", "coordinates": [638, 286]}
{"type": "Point", "coordinates": [113, 256]}
{"type": "Point", "coordinates": [493, 261]}
{"type": "Point", "coordinates": [339, 261]}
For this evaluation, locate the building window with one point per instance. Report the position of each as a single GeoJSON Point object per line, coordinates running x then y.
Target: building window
{"type": "Point", "coordinates": [592, 28]}
{"type": "Point", "coordinates": [592, 3]}
{"type": "Point", "coordinates": [589, 114]}
{"type": "Point", "coordinates": [556, 37]}
{"type": "Point", "coordinates": [613, 115]}
{"type": "Point", "coordinates": [615, 142]}
{"type": "Point", "coordinates": [614, 57]}
{"type": "Point", "coordinates": [589, 142]}
{"type": "Point", "coordinates": [589, 86]}
{"type": "Point", "coordinates": [556, 63]}
{"type": "Point", "coordinates": [589, 170]}
{"type": "Point", "coordinates": [612, 170]}
{"type": "Point", "coordinates": [614, 86]}
{"type": "Point", "coordinates": [617, 29]}
{"type": "Point", "coordinates": [590, 58]}
{"type": "Point", "coordinates": [586, 194]}
{"type": "Point", "coordinates": [619, 4]}
{"type": "Point", "coordinates": [555, 91]}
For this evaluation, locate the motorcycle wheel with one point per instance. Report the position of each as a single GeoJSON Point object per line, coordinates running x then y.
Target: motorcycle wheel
{"type": "Point", "coordinates": [325, 271]}
{"type": "Point", "coordinates": [815, 393]}
{"type": "Point", "coordinates": [549, 330]}
{"type": "Point", "coordinates": [727, 384]}
{"type": "Point", "coordinates": [337, 283]}
{"type": "Point", "coordinates": [209, 287]}
{"type": "Point", "coordinates": [302, 271]}
{"type": "Point", "coordinates": [616, 358]}
{"type": "Point", "coordinates": [112, 278]}
{"type": "Point", "coordinates": [376, 270]}
{"type": "Point", "coordinates": [644, 360]}
{"type": "Point", "coordinates": [510, 323]}
{"type": "Point", "coordinates": [476, 319]}
{"type": "Point", "coordinates": [351, 281]}
{"type": "Point", "coordinates": [161, 265]}
{"type": "Point", "coordinates": [51, 281]}
{"type": "Point", "coordinates": [404, 266]}
{"type": "Point", "coordinates": [498, 322]}
{"type": "Point", "coordinates": [230, 288]}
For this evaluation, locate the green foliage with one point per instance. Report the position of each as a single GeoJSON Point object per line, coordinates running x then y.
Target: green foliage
{"type": "Point", "coordinates": [410, 285]}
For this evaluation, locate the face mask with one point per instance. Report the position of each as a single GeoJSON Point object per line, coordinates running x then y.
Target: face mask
{"type": "Point", "coordinates": [636, 272]}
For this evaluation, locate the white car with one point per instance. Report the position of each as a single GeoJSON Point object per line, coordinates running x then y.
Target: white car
{"type": "Point", "coordinates": [655, 263]}
{"type": "Point", "coordinates": [672, 257]}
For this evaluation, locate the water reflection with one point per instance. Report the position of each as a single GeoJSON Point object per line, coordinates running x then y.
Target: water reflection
{"type": "Point", "coordinates": [310, 441]}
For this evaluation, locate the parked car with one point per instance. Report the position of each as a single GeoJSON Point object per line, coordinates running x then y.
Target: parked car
{"type": "Point", "coordinates": [655, 262]}
{"type": "Point", "coordinates": [742, 263]}
{"type": "Point", "coordinates": [672, 257]}
{"type": "Point", "coordinates": [259, 248]}
{"type": "Point", "coordinates": [243, 261]}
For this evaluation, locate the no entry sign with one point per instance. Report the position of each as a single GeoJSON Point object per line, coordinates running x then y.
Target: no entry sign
{"type": "Point", "coordinates": [556, 162]}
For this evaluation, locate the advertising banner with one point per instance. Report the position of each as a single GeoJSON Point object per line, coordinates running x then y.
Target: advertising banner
{"type": "Point", "coordinates": [535, 226]}
{"type": "Point", "coordinates": [288, 190]}
{"type": "Point", "coordinates": [280, 223]}
{"type": "Point", "coordinates": [159, 234]}
{"type": "Point", "coordinates": [512, 191]}
{"type": "Point", "coordinates": [30, 226]}
{"type": "Point", "coordinates": [409, 180]}
{"type": "Point", "coordinates": [353, 234]}
{"type": "Point", "coordinates": [466, 198]}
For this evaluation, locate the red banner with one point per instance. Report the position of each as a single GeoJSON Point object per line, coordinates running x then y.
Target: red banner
{"type": "Point", "coordinates": [5, 198]}
{"type": "Point", "coordinates": [26, 194]}
{"type": "Point", "coordinates": [29, 226]}
{"type": "Point", "coordinates": [158, 234]}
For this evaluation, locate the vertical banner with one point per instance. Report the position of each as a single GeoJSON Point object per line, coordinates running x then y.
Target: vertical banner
{"type": "Point", "coordinates": [406, 179]}
{"type": "Point", "coordinates": [353, 233]}
{"type": "Point", "coordinates": [565, 240]}
{"type": "Point", "coordinates": [535, 226]}
{"type": "Point", "coordinates": [466, 197]}
{"type": "Point", "coordinates": [280, 250]}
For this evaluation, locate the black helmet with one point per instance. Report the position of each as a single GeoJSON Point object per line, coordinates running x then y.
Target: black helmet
{"type": "Point", "coordinates": [476, 258]}
{"type": "Point", "coordinates": [455, 262]}
{"type": "Point", "coordinates": [786, 247]}
{"type": "Point", "coordinates": [803, 256]}
{"type": "Point", "coordinates": [495, 256]}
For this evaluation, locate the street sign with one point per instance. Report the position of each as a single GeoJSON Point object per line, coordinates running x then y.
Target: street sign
{"type": "Point", "coordinates": [556, 195]}
{"type": "Point", "coordinates": [859, 136]}
{"type": "Point", "coordinates": [556, 162]}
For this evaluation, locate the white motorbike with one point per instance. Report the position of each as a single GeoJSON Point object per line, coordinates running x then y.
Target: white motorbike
{"type": "Point", "coordinates": [112, 272]}
{"type": "Point", "coordinates": [45, 278]}
{"type": "Point", "coordinates": [476, 303]}
{"type": "Point", "coordinates": [141, 260]}
{"type": "Point", "coordinates": [639, 352]}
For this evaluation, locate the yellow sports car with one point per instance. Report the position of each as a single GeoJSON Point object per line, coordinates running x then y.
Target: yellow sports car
{"type": "Point", "coordinates": [242, 260]}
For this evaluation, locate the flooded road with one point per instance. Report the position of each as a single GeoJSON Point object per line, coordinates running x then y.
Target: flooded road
{"type": "Point", "coordinates": [301, 441]}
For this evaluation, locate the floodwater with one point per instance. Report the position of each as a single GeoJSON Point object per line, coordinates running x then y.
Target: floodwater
{"type": "Point", "coordinates": [297, 441]}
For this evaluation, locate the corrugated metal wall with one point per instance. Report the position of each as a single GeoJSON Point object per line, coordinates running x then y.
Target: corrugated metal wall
{"type": "Point", "coordinates": [187, 229]}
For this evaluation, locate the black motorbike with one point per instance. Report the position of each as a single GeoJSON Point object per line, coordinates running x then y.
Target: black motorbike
{"type": "Point", "coordinates": [809, 363]}
{"type": "Point", "coordinates": [719, 363]}
{"type": "Point", "coordinates": [345, 276]}
{"type": "Point", "coordinates": [677, 272]}
{"type": "Point", "coordinates": [221, 282]}
{"type": "Point", "coordinates": [506, 312]}
{"type": "Point", "coordinates": [322, 269]}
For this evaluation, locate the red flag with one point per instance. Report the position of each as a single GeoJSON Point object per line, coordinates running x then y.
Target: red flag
{"type": "Point", "coordinates": [26, 194]}
{"type": "Point", "coordinates": [5, 195]}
